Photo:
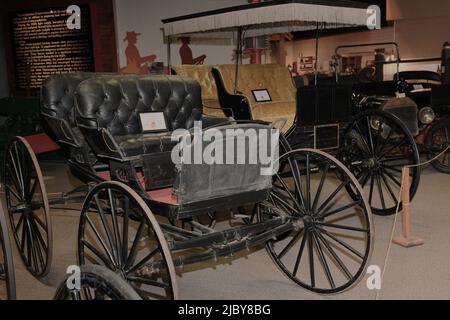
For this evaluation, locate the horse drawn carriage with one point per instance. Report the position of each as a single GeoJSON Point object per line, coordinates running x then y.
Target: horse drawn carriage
{"type": "Point", "coordinates": [143, 213]}
{"type": "Point", "coordinates": [373, 140]}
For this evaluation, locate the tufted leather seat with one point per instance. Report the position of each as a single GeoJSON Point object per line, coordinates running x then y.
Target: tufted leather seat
{"type": "Point", "coordinates": [203, 74]}
{"type": "Point", "coordinates": [275, 78]}
{"type": "Point", "coordinates": [57, 105]}
{"type": "Point", "coordinates": [107, 110]}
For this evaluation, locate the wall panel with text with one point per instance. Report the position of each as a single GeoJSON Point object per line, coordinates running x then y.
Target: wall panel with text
{"type": "Point", "coordinates": [44, 45]}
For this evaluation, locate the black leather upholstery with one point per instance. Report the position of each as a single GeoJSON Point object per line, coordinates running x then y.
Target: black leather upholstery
{"type": "Point", "coordinates": [57, 95]}
{"type": "Point", "coordinates": [57, 105]}
{"type": "Point", "coordinates": [134, 145]}
{"type": "Point", "coordinates": [112, 105]}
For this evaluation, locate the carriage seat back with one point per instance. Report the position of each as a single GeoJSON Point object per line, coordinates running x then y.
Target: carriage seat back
{"type": "Point", "coordinates": [107, 112]}
{"type": "Point", "coordinates": [203, 74]}
{"type": "Point", "coordinates": [57, 105]}
{"type": "Point", "coordinates": [275, 78]}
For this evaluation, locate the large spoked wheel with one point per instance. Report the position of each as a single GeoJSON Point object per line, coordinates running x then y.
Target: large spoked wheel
{"type": "Point", "coordinates": [437, 141]}
{"type": "Point", "coordinates": [118, 230]}
{"type": "Point", "coordinates": [7, 279]}
{"type": "Point", "coordinates": [330, 247]}
{"type": "Point", "coordinates": [96, 283]}
{"type": "Point", "coordinates": [28, 208]}
{"type": "Point", "coordinates": [375, 147]}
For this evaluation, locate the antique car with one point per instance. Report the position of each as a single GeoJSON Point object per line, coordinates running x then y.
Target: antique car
{"type": "Point", "coordinates": [372, 142]}
{"type": "Point", "coordinates": [425, 102]}
{"type": "Point", "coordinates": [142, 214]}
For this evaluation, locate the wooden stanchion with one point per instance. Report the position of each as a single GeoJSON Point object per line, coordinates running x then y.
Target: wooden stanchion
{"type": "Point", "coordinates": [406, 240]}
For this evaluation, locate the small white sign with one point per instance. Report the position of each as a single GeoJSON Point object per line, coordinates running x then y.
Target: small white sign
{"type": "Point", "coordinates": [261, 95]}
{"type": "Point", "coordinates": [153, 122]}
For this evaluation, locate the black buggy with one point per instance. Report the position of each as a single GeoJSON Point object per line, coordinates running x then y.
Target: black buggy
{"type": "Point", "coordinates": [374, 139]}
{"type": "Point", "coordinates": [144, 216]}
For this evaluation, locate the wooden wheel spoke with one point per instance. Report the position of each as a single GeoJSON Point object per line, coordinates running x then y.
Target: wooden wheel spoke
{"type": "Point", "coordinates": [380, 191]}
{"type": "Point", "coordinates": [348, 228]}
{"type": "Point", "coordinates": [371, 140]}
{"type": "Point", "coordinates": [133, 249]}
{"type": "Point", "coordinates": [334, 255]}
{"type": "Point", "coordinates": [289, 192]}
{"type": "Point", "coordinates": [332, 196]}
{"type": "Point", "coordinates": [391, 177]}
{"type": "Point", "coordinates": [103, 258]}
{"type": "Point", "coordinates": [324, 262]}
{"type": "Point", "coordinates": [299, 254]}
{"type": "Point", "coordinates": [13, 192]}
{"type": "Point", "coordinates": [143, 261]}
{"type": "Point", "coordinates": [283, 202]}
{"type": "Point", "coordinates": [148, 282]}
{"type": "Point", "coordinates": [320, 187]}
{"type": "Point", "coordinates": [297, 180]}
{"type": "Point", "coordinates": [102, 242]}
{"type": "Point", "coordinates": [115, 225]}
{"type": "Point", "coordinates": [291, 243]}
{"type": "Point", "coordinates": [343, 244]}
{"type": "Point", "coordinates": [342, 209]}
{"type": "Point", "coordinates": [388, 186]}
{"type": "Point", "coordinates": [106, 228]}
{"type": "Point", "coordinates": [311, 261]}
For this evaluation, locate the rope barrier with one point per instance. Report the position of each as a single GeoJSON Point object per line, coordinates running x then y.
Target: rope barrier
{"type": "Point", "coordinates": [394, 223]}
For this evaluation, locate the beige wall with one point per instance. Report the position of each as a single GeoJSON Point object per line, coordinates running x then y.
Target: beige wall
{"type": "Point", "coordinates": [420, 29]}
{"type": "Point", "coordinates": [413, 9]}
{"type": "Point", "coordinates": [144, 16]}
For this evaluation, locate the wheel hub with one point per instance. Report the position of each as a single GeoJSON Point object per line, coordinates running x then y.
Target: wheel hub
{"type": "Point", "coordinates": [372, 163]}
{"type": "Point", "coordinates": [309, 222]}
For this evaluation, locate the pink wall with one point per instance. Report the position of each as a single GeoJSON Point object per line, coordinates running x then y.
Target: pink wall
{"type": "Point", "coordinates": [413, 9]}
{"type": "Point", "coordinates": [420, 28]}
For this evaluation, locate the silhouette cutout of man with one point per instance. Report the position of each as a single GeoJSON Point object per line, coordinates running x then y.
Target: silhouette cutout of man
{"type": "Point", "coordinates": [135, 63]}
{"type": "Point", "coordinates": [186, 53]}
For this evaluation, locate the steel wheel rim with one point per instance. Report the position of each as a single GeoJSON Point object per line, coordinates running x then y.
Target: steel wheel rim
{"type": "Point", "coordinates": [28, 207]}
{"type": "Point", "coordinates": [112, 253]}
{"type": "Point", "coordinates": [373, 162]}
{"type": "Point", "coordinates": [312, 245]}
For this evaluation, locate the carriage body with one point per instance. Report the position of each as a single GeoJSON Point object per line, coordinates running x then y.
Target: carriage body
{"type": "Point", "coordinates": [100, 130]}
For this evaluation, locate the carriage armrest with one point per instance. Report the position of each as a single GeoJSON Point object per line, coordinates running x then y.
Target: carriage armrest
{"type": "Point", "coordinates": [61, 130]}
{"type": "Point", "coordinates": [209, 121]}
{"type": "Point", "coordinates": [102, 143]}
{"type": "Point", "coordinates": [238, 103]}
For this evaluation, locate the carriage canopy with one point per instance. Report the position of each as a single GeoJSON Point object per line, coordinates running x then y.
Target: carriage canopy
{"type": "Point", "coordinates": [270, 18]}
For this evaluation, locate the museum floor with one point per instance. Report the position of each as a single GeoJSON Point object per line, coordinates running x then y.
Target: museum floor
{"type": "Point", "coordinates": [417, 273]}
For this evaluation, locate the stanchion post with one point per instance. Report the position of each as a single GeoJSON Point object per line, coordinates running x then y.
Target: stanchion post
{"type": "Point", "coordinates": [406, 240]}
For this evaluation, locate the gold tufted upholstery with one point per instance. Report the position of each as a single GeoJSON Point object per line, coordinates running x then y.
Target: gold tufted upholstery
{"type": "Point", "coordinates": [275, 78]}
{"type": "Point", "coordinates": [202, 73]}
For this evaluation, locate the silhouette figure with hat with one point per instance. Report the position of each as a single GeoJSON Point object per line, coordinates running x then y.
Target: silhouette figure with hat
{"type": "Point", "coordinates": [135, 63]}
{"type": "Point", "coordinates": [186, 53]}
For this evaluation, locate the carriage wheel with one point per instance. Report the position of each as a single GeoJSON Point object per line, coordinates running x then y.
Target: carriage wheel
{"type": "Point", "coordinates": [329, 248]}
{"type": "Point", "coordinates": [96, 283]}
{"type": "Point", "coordinates": [28, 209]}
{"type": "Point", "coordinates": [118, 230]}
{"type": "Point", "coordinates": [375, 147]}
{"type": "Point", "coordinates": [7, 279]}
{"type": "Point", "coordinates": [437, 140]}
